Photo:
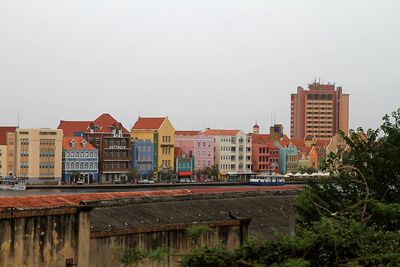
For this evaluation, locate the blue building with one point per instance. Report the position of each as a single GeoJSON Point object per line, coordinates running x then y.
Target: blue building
{"type": "Point", "coordinates": [287, 158]}
{"type": "Point", "coordinates": [184, 165]}
{"type": "Point", "coordinates": [80, 161]}
{"type": "Point", "coordinates": [143, 157]}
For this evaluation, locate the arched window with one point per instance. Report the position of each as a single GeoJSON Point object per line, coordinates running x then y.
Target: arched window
{"type": "Point", "coordinates": [67, 154]}
{"type": "Point", "coordinates": [72, 154]}
{"type": "Point", "coordinates": [81, 154]}
{"type": "Point", "coordinates": [72, 166]}
{"type": "Point", "coordinates": [81, 167]}
{"type": "Point", "coordinates": [91, 154]}
{"type": "Point", "coordinates": [67, 166]}
{"type": "Point", "coordinates": [86, 154]}
{"type": "Point", "coordinates": [86, 165]}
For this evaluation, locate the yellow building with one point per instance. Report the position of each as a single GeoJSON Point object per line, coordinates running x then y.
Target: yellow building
{"type": "Point", "coordinates": [161, 133]}
{"type": "Point", "coordinates": [36, 155]}
{"type": "Point", "coordinates": [4, 162]}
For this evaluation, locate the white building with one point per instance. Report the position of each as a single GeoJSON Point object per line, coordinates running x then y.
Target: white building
{"type": "Point", "coordinates": [232, 151]}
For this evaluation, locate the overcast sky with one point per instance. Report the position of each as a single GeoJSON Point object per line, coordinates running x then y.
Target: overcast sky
{"type": "Point", "coordinates": [205, 63]}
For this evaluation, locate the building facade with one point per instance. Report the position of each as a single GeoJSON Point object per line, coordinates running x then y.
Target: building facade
{"type": "Point", "coordinates": [288, 158]}
{"type": "Point", "coordinates": [36, 155]}
{"type": "Point", "coordinates": [321, 111]}
{"type": "Point", "coordinates": [265, 155]}
{"type": "Point", "coordinates": [161, 133]}
{"type": "Point", "coordinates": [80, 161]}
{"type": "Point", "coordinates": [232, 152]}
{"type": "Point", "coordinates": [4, 157]}
{"type": "Point", "coordinates": [198, 145]}
{"type": "Point", "coordinates": [143, 157]}
{"type": "Point", "coordinates": [111, 139]}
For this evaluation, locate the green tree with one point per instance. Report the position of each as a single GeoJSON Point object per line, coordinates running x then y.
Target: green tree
{"type": "Point", "coordinates": [351, 219]}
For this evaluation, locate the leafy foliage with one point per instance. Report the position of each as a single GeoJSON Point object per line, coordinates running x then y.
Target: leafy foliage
{"type": "Point", "coordinates": [351, 219]}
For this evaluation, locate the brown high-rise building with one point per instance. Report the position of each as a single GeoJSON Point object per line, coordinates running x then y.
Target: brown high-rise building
{"type": "Point", "coordinates": [320, 111]}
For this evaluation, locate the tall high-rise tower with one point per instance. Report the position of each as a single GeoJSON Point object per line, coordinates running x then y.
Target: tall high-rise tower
{"type": "Point", "coordinates": [321, 111]}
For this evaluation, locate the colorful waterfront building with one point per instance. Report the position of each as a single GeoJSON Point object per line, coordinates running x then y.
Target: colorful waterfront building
{"type": "Point", "coordinates": [200, 146]}
{"type": "Point", "coordinates": [232, 152]}
{"type": "Point", "coordinates": [80, 161]}
{"type": "Point", "coordinates": [143, 157]}
{"type": "Point", "coordinates": [4, 161]}
{"type": "Point", "coordinates": [288, 157]}
{"type": "Point", "coordinates": [111, 139]}
{"type": "Point", "coordinates": [265, 155]}
{"type": "Point", "coordinates": [35, 155]}
{"type": "Point", "coordinates": [184, 164]}
{"type": "Point", "coordinates": [161, 133]}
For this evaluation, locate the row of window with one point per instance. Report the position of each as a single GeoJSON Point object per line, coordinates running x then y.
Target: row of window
{"type": "Point", "coordinates": [72, 154]}
{"type": "Point", "coordinates": [46, 165]}
{"type": "Point", "coordinates": [48, 154]}
{"type": "Point", "coordinates": [116, 154]}
{"type": "Point", "coordinates": [166, 150]}
{"type": "Point", "coordinates": [115, 165]}
{"type": "Point", "coordinates": [204, 144]}
{"type": "Point", "coordinates": [143, 157]}
{"type": "Point", "coordinates": [143, 148]}
{"type": "Point", "coordinates": [319, 97]}
{"type": "Point", "coordinates": [233, 158]}
{"type": "Point", "coordinates": [24, 142]}
{"type": "Point", "coordinates": [92, 165]}
{"type": "Point", "coordinates": [203, 163]}
{"type": "Point", "coordinates": [145, 166]}
{"type": "Point", "coordinates": [119, 142]}
{"type": "Point", "coordinates": [50, 142]}
{"type": "Point", "coordinates": [166, 163]}
{"type": "Point", "coordinates": [166, 139]}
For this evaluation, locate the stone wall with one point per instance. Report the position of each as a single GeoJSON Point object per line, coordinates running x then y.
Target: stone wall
{"type": "Point", "coordinates": [46, 237]}
{"type": "Point", "coordinates": [106, 250]}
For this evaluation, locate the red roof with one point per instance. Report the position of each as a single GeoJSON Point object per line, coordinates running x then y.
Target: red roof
{"type": "Point", "coordinates": [220, 132]}
{"type": "Point", "coordinates": [67, 143]}
{"type": "Point", "coordinates": [74, 199]}
{"type": "Point", "coordinates": [71, 127]}
{"type": "Point", "coordinates": [106, 123]}
{"type": "Point", "coordinates": [148, 123]}
{"type": "Point", "coordinates": [187, 133]}
{"type": "Point", "coordinates": [323, 142]}
{"type": "Point", "coordinates": [3, 133]}
{"type": "Point", "coordinates": [260, 138]}
{"type": "Point", "coordinates": [40, 201]}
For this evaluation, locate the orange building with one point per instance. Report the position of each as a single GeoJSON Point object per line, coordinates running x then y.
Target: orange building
{"type": "Point", "coordinates": [321, 111]}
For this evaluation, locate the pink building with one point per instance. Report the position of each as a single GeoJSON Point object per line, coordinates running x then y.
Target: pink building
{"type": "Point", "coordinates": [198, 145]}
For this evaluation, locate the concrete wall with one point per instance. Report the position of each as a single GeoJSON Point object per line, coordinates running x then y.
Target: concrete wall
{"type": "Point", "coordinates": [105, 249]}
{"type": "Point", "coordinates": [43, 237]}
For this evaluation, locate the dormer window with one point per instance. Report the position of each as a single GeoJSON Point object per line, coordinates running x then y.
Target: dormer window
{"type": "Point", "coordinates": [84, 142]}
{"type": "Point", "coordinates": [73, 143]}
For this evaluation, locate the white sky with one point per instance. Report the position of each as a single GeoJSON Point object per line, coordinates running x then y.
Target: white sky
{"type": "Point", "coordinates": [205, 63]}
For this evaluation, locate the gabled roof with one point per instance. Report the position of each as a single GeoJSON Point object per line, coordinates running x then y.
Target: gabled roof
{"type": "Point", "coordinates": [71, 127]}
{"type": "Point", "coordinates": [3, 133]}
{"type": "Point", "coordinates": [322, 142]}
{"type": "Point", "coordinates": [220, 132]}
{"type": "Point", "coordinates": [106, 123]}
{"type": "Point", "coordinates": [260, 139]}
{"type": "Point", "coordinates": [78, 140]}
{"type": "Point", "coordinates": [187, 133]}
{"type": "Point", "coordinates": [148, 123]}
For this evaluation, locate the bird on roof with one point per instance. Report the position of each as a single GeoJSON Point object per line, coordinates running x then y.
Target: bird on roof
{"type": "Point", "coordinates": [231, 216]}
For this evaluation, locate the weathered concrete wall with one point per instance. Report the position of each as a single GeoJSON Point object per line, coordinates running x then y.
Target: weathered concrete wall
{"type": "Point", "coordinates": [107, 250]}
{"type": "Point", "coordinates": [41, 238]}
